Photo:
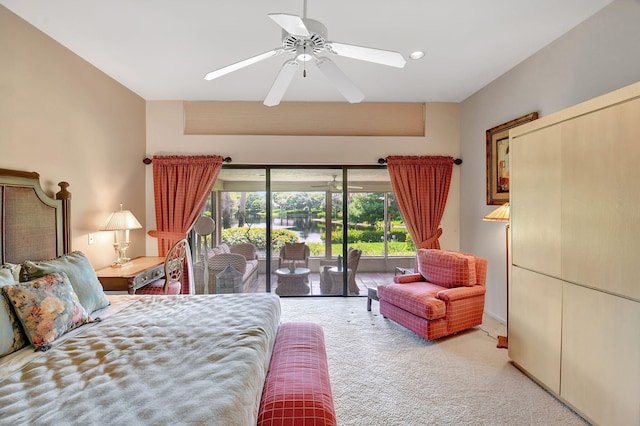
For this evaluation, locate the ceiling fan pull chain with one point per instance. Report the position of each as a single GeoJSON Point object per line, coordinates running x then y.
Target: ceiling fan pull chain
{"type": "Point", "coordinates": [304, 64]}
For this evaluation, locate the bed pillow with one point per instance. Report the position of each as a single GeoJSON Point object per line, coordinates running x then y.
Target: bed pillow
{"type": "Point", "coordinates": [447, 268]}
{"type": "Point", "coordinates": [15, 270]}
{"type": "Point", "coordinates": [12, 336]}
{"type": "Point", "coordinates": [81, 274]}
{"type": "Point", "coordinates": [47, 307]}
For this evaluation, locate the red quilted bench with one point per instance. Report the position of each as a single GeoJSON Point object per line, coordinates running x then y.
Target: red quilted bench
{"type": "Point", "coordinates": [297, 390]}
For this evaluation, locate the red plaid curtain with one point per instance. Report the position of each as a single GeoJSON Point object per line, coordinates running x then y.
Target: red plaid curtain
{"type": "Point", "coordinates": [421, 186]}
{"type": "Point", "coordinates": [181, 185]}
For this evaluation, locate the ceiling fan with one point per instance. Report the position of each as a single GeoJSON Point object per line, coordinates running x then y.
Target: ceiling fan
{"type": "Point", "coordinates": [306, 38]}
{"type": "Point", "coordinates": [334, 185]}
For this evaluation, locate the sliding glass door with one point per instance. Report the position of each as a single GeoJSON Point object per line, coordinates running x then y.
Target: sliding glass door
{"type": "Point", "coordinates": [337, 221]}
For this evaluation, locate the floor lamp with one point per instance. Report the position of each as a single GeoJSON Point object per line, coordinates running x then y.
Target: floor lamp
{"type": "Point", "coordinates": [501, 214]}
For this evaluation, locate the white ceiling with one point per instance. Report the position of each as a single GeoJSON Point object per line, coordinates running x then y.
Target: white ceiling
{"type": "Point", "coordinates": [161, 49]}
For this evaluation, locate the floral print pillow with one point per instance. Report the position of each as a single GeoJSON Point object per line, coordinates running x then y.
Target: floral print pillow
{"type": "Point", "coordinates": [47, 307]}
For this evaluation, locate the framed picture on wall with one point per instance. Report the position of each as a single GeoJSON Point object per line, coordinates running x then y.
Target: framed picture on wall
{"type": "Point", "coordinates": [498, 159]}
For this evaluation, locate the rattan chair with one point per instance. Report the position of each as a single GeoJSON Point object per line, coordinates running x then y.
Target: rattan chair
{"type": "Point", "coordinates": [330, 283]}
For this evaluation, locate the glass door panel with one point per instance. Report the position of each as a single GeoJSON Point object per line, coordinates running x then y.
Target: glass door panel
{"type": "Point", "coordinates": [240, 205]}
{"type": "Point", "coordinates": [306, 209]}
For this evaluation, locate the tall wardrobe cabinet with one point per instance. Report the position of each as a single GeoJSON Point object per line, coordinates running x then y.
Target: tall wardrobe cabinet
{"type": "Point", "coordinates": [574, 299]}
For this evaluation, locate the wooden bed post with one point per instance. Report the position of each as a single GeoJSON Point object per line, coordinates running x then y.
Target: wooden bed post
{"type": "Point", "coordinates": [65, 197]}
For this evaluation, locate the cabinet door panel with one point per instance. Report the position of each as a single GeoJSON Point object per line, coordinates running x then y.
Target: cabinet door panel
{"type": "Point", "coordinates": [601, 355]}
{"type": "Point", "coordinates": [601, 199]}
{"type": "Point", "coordinates": [535, 322]}
{"type": "Point", "coordinates": [535, 200]}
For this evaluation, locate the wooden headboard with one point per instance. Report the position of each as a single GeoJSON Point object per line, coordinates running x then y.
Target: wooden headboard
{"type": "Point", "coordinates": [33, 226]}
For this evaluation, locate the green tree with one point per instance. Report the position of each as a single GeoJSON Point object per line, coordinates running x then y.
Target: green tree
{"type": "Point", "coordinates": [367, 208]}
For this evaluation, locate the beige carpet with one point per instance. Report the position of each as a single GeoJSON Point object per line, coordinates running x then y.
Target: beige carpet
{"type": "Point", "coordinates": [382, 374]}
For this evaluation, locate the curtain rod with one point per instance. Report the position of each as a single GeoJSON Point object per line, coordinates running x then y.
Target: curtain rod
{"type": "Point", "coordinates": [148, 160]}
{"type": "Point", "coordinates": [382, 161]}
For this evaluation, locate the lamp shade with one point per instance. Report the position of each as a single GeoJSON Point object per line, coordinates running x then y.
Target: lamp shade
{"type": "Point", "coordinates": [122, 219]}
{"type": "Point", "coordinates": [501, 214]}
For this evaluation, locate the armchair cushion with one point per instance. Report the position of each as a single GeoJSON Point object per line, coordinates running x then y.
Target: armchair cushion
{"type": "Point", "coordinates": [447, 268]}
{"type": "Point", "coordinates": [221, 249]}
{"type": "Point", "coordinates": [294, 251]}
{"type": "Point", "coordinates": [419, 298]}
{"type": "Point", "coordinates": [220, 261]}
{"type": "Point", "coordinates": [248, 250]}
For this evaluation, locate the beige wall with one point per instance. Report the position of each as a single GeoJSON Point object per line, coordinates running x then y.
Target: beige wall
{"type": "Point", "coordinates": [68, 121]}
{"type": "Point", "coordinates": [596, 57]}
{"type": "Point", "coordinates": [442, 137]}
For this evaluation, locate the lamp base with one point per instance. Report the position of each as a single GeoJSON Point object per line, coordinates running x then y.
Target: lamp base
{"type": "Point", "coordinates": [503, 342]}
{"type": "Point", "coordinates": [121, 251]}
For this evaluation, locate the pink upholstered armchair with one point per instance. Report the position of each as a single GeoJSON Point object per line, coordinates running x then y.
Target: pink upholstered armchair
{"type": "Point", "coordinates": [444, 296]}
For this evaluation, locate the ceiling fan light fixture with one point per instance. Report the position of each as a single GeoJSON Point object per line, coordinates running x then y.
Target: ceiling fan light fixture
{"type": "Point", "coordinates": [415, 55]}
{"type": "Point", "coordinates": [304, 54]}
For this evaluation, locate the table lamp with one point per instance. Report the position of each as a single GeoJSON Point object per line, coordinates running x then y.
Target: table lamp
{"type": "Point", "coordinates": [118, 221]}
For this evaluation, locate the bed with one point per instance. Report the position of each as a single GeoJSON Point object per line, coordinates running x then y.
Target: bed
{"type": "Point", "coordinates": [115, 359]}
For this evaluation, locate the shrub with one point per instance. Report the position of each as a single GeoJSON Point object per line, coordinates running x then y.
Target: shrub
{"type": "Point", "coordinates": [258, 237]}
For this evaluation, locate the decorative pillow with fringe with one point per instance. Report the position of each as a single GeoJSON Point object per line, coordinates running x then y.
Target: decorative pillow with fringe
{"type": "Point", "coordinates": [47, 307]}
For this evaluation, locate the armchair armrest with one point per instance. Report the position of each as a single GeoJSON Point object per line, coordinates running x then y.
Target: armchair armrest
{"type": "Point", "coordinates": [459, 293]}
{"type": "Point", "coordinates": [409, 278]}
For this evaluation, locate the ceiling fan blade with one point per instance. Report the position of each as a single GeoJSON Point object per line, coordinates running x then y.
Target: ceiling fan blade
{"type": "Point", "coordinates": [378, 56]}
{"type": "Point", "coordinates": [292, 24]}
{"type": "Point", "coordinates": [281, 83]}
{"type": "Point", "coordinates": [341, 81]}
{"type": "Point", "coordinates": [238, 65]}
